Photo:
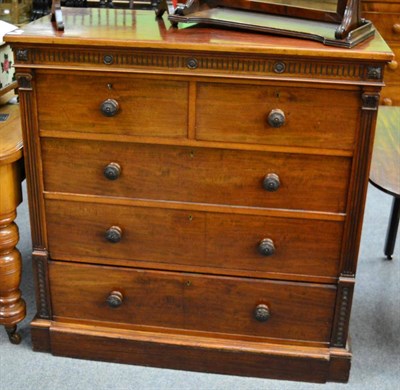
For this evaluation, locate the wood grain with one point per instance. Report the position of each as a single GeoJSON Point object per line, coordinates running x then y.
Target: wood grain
{"type": "Point", "coordinates": [147, 106]}
{"type": "Point", "coordinates": [196, 302]}
{"type": "Point", "coordinates": [306, 110]}
{"type": "Point", "coordinates": [192, 174]}
{"type": "Point", "coordinates": [210, 239]}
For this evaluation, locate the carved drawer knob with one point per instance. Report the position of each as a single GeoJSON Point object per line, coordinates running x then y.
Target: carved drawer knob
{"type": "Point", "coordinates": [271, 182]}
{"type": "Point", "coordinates": [115, 299]}
{"type": "Point", "coordinates": [113, 234]}
{"type": "Point", "coordinates": [276, 118]}
{"type": "Point", "coordinates": [387, 102]}
{"type": "Point", "coordinates": [393, 65]}
{"type": "Point", "coordinates": [112, 171]}
{"type": "Point", "coordinates": [396, 28]}
{"type": "Point", "coordinates": [262, 313]}
{"type": "Point", "coordinates": [266, 247]}
{"type": "Point", "coordinates": [109, 107]}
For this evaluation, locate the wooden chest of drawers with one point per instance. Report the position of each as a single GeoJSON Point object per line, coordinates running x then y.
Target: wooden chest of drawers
{"type": "Point", "coordinates": [196, 195]}
{"type": "Point", "coordinates": [385, 14]}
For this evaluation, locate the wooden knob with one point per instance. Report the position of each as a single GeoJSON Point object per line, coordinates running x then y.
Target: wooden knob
{"type": "Point", "coordinates": [387, 102]}
{"type": "Point", "coordinates": [262, 313]}
{"type": "Point", "coordinates": [276, 118]}
{"type": "Point", "coordinates": [266, 247]}
{"type": "Point", "coordinates": [393, 65]}
{"type": "Point", "coordinates": [112, 171]}
{"type": "Point", "coordinates": [396, 28]}
{"type": "Point", "coordinates": [271, 182]}
{"type": "Point", "coordinates": [113, 234]}
{"type": "Point", "coordinates": [109, 107]}
{"type": "Point", "coordinates": [115, 299]}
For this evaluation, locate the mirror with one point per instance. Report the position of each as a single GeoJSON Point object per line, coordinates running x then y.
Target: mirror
{"type": "Point", "coordinates": [331, 22]}
{"type": "Point", "coordinates": [320, 5]}
{"type": "Point", "coordinates": [321, 10]}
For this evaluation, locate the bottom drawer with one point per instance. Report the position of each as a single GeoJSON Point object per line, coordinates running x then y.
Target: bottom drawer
{"type": "Point", "coordinates": [192, 302]}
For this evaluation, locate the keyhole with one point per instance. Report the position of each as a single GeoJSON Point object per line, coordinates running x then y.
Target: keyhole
{"type": "Point", "coordinates": [109, 86]}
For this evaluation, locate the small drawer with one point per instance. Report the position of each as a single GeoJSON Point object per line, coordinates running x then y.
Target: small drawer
{"type": "Point", "coordinates": [201, 175]}
{"type": "Point", "coordinates": [222, 241]}
{"type": "Point", "coordinates": [277, 115]}
{"type": "Point", "coordinates": [224, 305]}
{"type": "Point", "coordinates": [112, 104]}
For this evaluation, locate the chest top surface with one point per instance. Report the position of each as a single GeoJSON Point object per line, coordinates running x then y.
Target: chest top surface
{"type": "Point", "coordinates": [141, 29]}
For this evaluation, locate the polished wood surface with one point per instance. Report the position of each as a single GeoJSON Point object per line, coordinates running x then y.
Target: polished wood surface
{"type": "Point", "coordinates": [385, 165]}
{"type": "Point", "coordinates": [90, 26]}
{"type": "Point", "coordinates": [200, 239]}
{"type": "Point", "coordinates": [179, 178]}
{"type": "Point", "coordinates": [194, 302]}
{"type": "Point", "coordinates": [12, 306]}
{"type": "Point", "coordinates": [225, 177]}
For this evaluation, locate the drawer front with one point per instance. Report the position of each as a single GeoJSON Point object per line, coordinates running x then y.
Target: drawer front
{"type": "Point", "coordinates": [311, 117]}
{"type": "Point", "coordinates": [388, 24]}
{"type": "Point", "coordinates": [142, 107]}
{"type": "Point", "coordinates": [296, 311]}
{"type": "Point", "coordinates": [200, 175]}
{"type": "Point", "coordinates": [193, 238]}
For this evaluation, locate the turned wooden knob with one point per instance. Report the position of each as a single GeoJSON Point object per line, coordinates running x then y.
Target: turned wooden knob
{"type": "Point", "coordinates": [266, 247]}
{"type": "Point", "coordinates": [112, 171]}
{"type": "Point", "coordinates": [262, 313]}
{"type": "Point", "coordinates": [113, 234]}
{"type": "Point", "coordinates": [393, 65]}
{"type": "Point", "coordinates": [109, 107]}
{"type": "Point", "coordinates": [271, 182]}
{"type": "Point", "coordinates": [115, 299]}
{"type": "Point", "coordinates": [276, 118]}
{"type": "Point", "coordinates": [396, 28]}
{"type": "Point", "coordinates": [387, 102]}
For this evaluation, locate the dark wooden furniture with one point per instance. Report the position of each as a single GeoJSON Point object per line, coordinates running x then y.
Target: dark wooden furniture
{"type": "Point", "coordinates": [12, 306]}
{"type": "Point", "coordinates": [196, 195]}
{"type": "Point", "coordinates": [385, 167]}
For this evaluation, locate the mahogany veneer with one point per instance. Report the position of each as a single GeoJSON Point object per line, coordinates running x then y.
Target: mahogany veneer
{"type": "Point", "coordinates": [196, 195]}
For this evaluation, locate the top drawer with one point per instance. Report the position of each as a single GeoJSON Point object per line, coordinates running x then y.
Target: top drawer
{"type": "Point", "coordinates": [307, 117]}
{"type": "Point", "coordinates": [143, 107]}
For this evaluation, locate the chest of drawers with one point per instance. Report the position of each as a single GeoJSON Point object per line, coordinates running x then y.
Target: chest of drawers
{"type": "Point", "coordinates": [196, 195]}
{"type": "Point", "coordinates": [385, 14]}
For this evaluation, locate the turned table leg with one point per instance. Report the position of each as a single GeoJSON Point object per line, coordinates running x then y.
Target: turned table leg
{"type": "Point", "coordinates": [392, 228]}
{"type": "Point", "coordinates": [12, 306]}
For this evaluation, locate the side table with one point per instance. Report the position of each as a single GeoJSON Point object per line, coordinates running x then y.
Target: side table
{"type": "Point", "coordinates": [12, 306]}
{"type": "Point", "coordinates": [385, 167]}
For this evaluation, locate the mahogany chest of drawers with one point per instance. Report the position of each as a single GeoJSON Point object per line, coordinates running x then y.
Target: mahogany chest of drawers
{"type": "Point", "coordinates": [196, 195]}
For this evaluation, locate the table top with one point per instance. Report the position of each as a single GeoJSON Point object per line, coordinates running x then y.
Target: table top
{"type": "Point", "coordinates": [141, 29]}
{"type": "Point", "coordinates": [385, 165]}
{"type": "Point", "coordinates": [10, 134]}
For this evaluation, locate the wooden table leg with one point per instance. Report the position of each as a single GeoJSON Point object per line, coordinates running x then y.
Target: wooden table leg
{"type": "Point", "coordinates": [392, 228]}
{"type": "Point", "coordinates": [12, 306]}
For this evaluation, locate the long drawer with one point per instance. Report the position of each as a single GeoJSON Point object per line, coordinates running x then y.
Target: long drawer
{"type": "Point", "coordinates": [251, 307]}
{"type": "Point", "coordinates": [214, 176]}
{"type": "Point", "coordinates": [277, 115]}
{"type": "Point", "coordinates": [223, 241]}
{"type": "Point", "coordinates": [112, 104]}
